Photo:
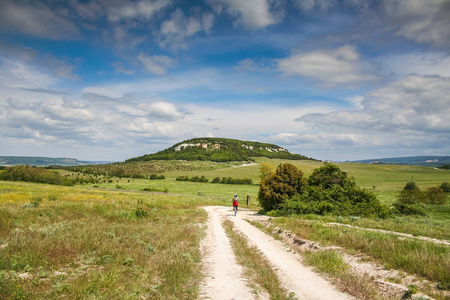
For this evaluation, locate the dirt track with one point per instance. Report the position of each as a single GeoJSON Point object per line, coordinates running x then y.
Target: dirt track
{"type": "Point", "coordinates": [224, 277]}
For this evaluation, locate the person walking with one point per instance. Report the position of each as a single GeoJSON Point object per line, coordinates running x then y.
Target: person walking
{"type": "Point", "coordinates": [235, 202]}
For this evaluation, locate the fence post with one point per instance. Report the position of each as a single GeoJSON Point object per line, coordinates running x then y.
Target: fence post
{"type": "Point", "coordinates": [248, 200]}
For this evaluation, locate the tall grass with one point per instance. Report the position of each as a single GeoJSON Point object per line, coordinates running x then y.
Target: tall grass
{"type": "Point", "coordinates": [331, 263]}
{"type": "Point", "coordinates": [423, 258]}
{"type": "Point", "coordinates": [82, 244]}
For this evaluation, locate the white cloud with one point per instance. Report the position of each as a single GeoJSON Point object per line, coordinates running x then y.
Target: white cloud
{"type": "Point", "coordinates": [121, 10]}
{"type": "Point", "coordinates": [421, 21]}
{"type": "Point", "coordinates": [157, 64]}
{"type": "Point", "coordinates": [37, 19]}
{"type": "Point", "coordinates": [341, 66]}
{"type": "Point", "coordinates": [17, 74]}
{"type": "Point", "coordinates": [179, 27]}
{"type": "Point", "coordinates": [410, 113]}
{"type": "Point", "coordinates": [54, 123]}
{"type": "Point", "coordinates": [120, 68]}
{"type": "Point", "coordinates": [308, 5]}
{"type": "Point", "coordinates": [42, 63]}
{"type": "Point", "coordinates": [429, 63]}
{"type": "Point", "coordinates": [251, 14]}
{"type": "Point", "coordinates": [161, 110]}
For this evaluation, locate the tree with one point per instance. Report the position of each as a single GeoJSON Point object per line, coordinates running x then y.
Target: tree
{"type": "Point", "coordinates": [265, 170]}
{"type": "Point", "coordinates": [329, 175]}
{"type": "Point", "coordinates": [445, 186]}
{"type": "Point", "coordinates": [286, 182]}
{"type": "Point", "coordinates": [411, 196]}
{"type": "Point", "coordinates": [411, 186]}
{"type": "Point", "coordinates": [435, 195]}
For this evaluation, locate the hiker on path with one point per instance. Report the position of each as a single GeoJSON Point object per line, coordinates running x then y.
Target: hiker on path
{"type": "Point", "coordinates": [235, 202]}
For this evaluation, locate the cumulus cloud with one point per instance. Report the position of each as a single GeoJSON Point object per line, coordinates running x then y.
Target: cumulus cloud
{"type": "Point", "coordinates": [162, 110]}
{"type": "Point", "coordinates": [179, 27]}
{"type": "Point", "coordinates": [42, 63]}
{"type": "Point", "coordinates": [37, 19]}
{"type": "Point", "coordinates": [17, 74]}
{"type": "Point", "coordinates": [250, 14]}
{"type": "Point", "coordinates": [157, 64]}
{"type": "Point", "coordinates": [69, 123]}
{"type": "Point", "coordinates": [421, 21]}
{"type": "Point", "coordinates": [411, 112]}
{"type": "Point", "coordinates": [119, 10]}
{"type": "Point", "coordinates": [341, 66]}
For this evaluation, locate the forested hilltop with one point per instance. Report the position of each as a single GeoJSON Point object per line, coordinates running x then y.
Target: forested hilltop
{"type": "Point", "coordinates": [219, 150]}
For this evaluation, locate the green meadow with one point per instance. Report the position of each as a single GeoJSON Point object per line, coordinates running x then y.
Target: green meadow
{"type": "Point", "coordinates": [135, 238]}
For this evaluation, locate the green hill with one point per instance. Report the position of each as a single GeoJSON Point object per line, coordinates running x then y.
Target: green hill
{"type": "Point", "coordinates": [219, 150]}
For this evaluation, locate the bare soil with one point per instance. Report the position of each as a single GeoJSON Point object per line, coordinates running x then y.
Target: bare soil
{"type": "Point", "coordinates": [224, 277]}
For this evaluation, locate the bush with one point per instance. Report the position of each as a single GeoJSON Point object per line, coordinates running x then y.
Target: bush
{"type": "Point", "coordinates": [285, 183]}
{"type": "Point", "coordinates": [183, 178]}
{"type": "Point", "coordinates": [411, 209]}
{"type": "Point", "coordinates": [411, 186]}
{"type": "Point", "coordinates": [229, 180]}
{"type": "Point", "coordinates": [329, 175]}
{"type": "Point", "coordinates": [156, 177]}
{"type": "Point", "coordinates": [436, 195]}
{"type": "Point", "coordinates": [337, 201]}
{"type": "Point", "coordinates": [330, 191]}
{"type": "Point", "coordinates": [31, 174]}
{"type": "Point", "coordinates": [445, 186]}
{"type": "Point", "coordinates": [411, 196]}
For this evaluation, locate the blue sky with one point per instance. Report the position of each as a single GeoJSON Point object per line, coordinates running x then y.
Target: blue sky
{"type": "Point", "coordinates": [329, 79]}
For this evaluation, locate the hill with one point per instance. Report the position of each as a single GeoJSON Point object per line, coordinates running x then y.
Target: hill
{"type": "Point", "coordinates": [42, 161]}
{"type": "Point", "coordinates": [426, 161]}
{"type": "Point", "coordinates": [219, 150]}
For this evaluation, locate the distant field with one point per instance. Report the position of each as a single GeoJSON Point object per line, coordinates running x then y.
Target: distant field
{"type": "Point", "coordinates": [385, 180]}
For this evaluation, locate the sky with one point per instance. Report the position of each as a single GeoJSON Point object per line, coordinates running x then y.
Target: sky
{"type": "Point", "coordinates": [330, 79]}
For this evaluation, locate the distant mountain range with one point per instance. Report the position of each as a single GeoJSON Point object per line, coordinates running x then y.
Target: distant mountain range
{"type": "Point", "coordinates": [45, 161]}
{"type": "Point", "coordinates": [428, 161]}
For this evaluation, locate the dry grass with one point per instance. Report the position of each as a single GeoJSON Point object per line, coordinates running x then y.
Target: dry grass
{"type": "Point", "coordinates": [422, 258]}
{"type": "Point", "coordinates": [83, 244]}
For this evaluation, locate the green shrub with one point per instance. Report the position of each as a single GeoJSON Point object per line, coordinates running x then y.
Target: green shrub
{"type": "Point", "coordinates": [411, 196]}
{"type": "Point", "coordinates": [285, 183]}
{"type": "Point", "coordinates": [411, 186]}
{"type": "Point", "coordinates": [229, 180]}
{"type": "Point", "coordinates": [411, 209]}
{"type": "Point", "coordinates": [435, 195]}
{"type": "Point", "coordinates": [337, 201]}
{"type": "Point", "coordinates": [328, 176]}
{"type": "Point", "coordinates": [31, 174]}
{"type": "Point", "coordinates": [330, 191]}
{"type": "Point", "coordinates": [445, 186]}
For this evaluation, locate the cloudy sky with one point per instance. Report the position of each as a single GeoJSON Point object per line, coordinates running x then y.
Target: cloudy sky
{"type": "Point", "coordinates": [329, 79]}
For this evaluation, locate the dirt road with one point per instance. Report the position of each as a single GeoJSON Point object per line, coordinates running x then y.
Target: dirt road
{"type": "Point", "coordinates": [224, 277]}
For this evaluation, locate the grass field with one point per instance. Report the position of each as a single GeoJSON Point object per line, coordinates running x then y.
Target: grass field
{"type": "Point", "coordinates": [80, 243]}
{"type": "Point", "coordinates": [109, 239]}
{"type": "Point", "coordinates": [385, 181]}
